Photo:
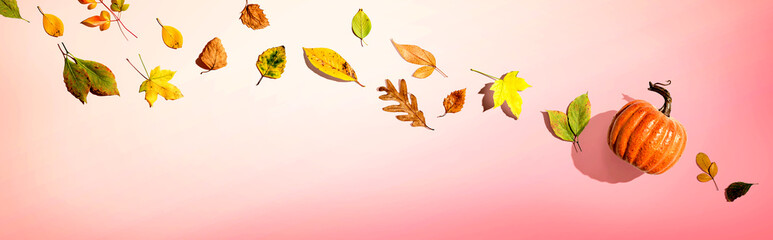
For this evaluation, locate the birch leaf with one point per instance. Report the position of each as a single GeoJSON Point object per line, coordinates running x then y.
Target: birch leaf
{"type": "Point", "coordinates": [271, 63]}
{"type": "Point", "coordinates": [171, 36]}
{"type": "Point", "coordinates": [52, 24]}
{"type": "Point", "coordinates": [213, 56]}
{"type": "Point", "coordinates": [158, 84]}
{"type": "Point", "coordinates": [330, 63]}
{"type": "Point", "coordinates": [361, 25]}
{"type": "Point", "coordinates": [454, 102]}
{"type": "Point", "coordinates": [10, 9]}
{"type": "Point", "coordinates": [253, 17]}
{"type": "Point", "coordinates": [416, 55]}
{"type": "Point", "coordinates": [407, 104]}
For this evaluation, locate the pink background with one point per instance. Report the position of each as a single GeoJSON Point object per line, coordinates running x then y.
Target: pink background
{"type": "Point", "coordinates": [303, 157]}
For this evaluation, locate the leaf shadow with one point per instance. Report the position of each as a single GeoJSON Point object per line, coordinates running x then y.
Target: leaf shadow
{"type": "Point", "coordinates": [488, 101]}
{"type": "Point", "coordinates": [546, 117]}
{"type": "Point", "coordinates": [319, 72]}
{"type": "Point", "coordinates": [596, 160]}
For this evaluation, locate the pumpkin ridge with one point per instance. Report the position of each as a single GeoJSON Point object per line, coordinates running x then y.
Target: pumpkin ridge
{"type": "Point", "coordinates": [680, 147]}
{"type": "Point", "coordinates": [614, 128]}
{"type": "Point", "coordinates": [641, 158]}
{"type": "Point", "coordinates": [639, 132]}
{"type": "Point", "coordinates": [655, 146]}
{"type": "Point", "coordinates": [668, 150]}
{"type": "Point", "coordinates": [619, 123]}
{"type": "Point", "coordinates": [621, 144]}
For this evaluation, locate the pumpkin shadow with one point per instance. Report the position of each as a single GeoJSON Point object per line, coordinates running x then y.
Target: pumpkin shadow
{"type": "Point", "coordinates": [488, 101]}
{"type": "Point", "coordinates": [628, 98]}
{"type": "Point", "coordinates": [596, 160]}
{"type": "Point", "coordinates": [318, 72]}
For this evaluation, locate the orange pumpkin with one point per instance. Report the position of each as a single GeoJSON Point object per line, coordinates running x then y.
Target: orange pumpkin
{"type": "Point", "coordinates": [646, 137]}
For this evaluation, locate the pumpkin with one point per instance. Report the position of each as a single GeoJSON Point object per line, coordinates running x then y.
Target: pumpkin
{"type": "Point", "coordinates": [646, 137]}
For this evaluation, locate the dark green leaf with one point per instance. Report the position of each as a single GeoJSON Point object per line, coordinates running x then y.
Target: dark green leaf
{"type": "Point", "coordinates": [736, 190]}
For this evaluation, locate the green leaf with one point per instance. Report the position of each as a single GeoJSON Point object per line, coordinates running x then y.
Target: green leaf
{"type": "Point", "coordinates": [101, 79]}
{"type": "Point", "coordinates": [736, 190]}
{"type": "Point", "coordinates": [271, 63]}
{"type": "Point", "coordinates": [76, 79]}
{"type": "Point", "coordinates": [9, 8]}
{"type": "Point", "coordinates": [361, 24]}
{"type": "Point", "coordinates": [560, 126]}
{"type": "Point", "coordinates": [579, 114]}
{"type": "Point", "coordinates": [119, 6]}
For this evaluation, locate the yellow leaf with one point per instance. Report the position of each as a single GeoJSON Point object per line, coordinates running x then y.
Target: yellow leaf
{"type": "Point", "coordinates": [213, 56]}
{"type": "Point", "coordinates": [704, 177]}
{"type": "Point", "coordinates": [416, 55]}
{"type": "Point", "coordinates": [506, 90]}
{"type": "Point", "coordinates": [703, 162]}
{"type": "Point", "coordinates": [253, 17]}
{"type": "Point", "coordinates": [52, 24]}
{"type": "Point", "coordinates": [158, 84]}
{"type": "Point", "coordinates": [713, 170]}
{"type": "Point", "coordinates": [330, 63]}
{"type": "Point", "coordinates": [171, 36]}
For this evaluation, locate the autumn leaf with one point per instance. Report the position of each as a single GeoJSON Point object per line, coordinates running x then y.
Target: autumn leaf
{"type": "Point", "coordinates": [454, 102]}
{"type": "Point", "coordinates": [10, 9]}
{"type": "Point", "coordinates": [102, 21]}
{"type": "Point", "coordinates": [171, 36]}
{"type": "Point", "coordinates": [119, 6]}
{"type": "Point", "coordinates": [271, 63]}
{"type": "Point", "coordinates": [157, 83]}
{"type": "Point", "coordinates": [52, 24]}
{"type": "Point", "coordinates": [213, 56]}
{"type": "Point", "coordinates": [416, 55]}
{"type": "Point", "coordinates": [361, 26]}
{"type": "Point", "coordinates": [568, 126]}
{"type": "Point", "coordinates": [736, 190]}
{"type": "Point", "coordinates": [91, 3]}
{"type": "Point", "coordinates": [253, 17]}
{"type": "Point", "coordinates": [407, 104]}
{"type": "Point", "coordinates": [708, 167]}
{"type": "Point", "coordinates": [506, 90]}
{"type": "Point", "coordinates": [84, 76]}
{"type": "Point", "coordinates": [330, 63]}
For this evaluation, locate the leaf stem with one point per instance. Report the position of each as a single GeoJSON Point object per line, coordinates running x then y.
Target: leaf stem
{"type": "Point", "coordinates": [119, 20]}
{"type": "Point", "coordinates": [492, 77]}
{"type": "Point", "coordinates": [41, 11]}
{"type": "Point", "coordinates": [715, 182]}
{"type": "Point", "coordinates": [261, 79]}
{"type": "Point", "coordinates": [444, 114]}
{"type": "Point", "coordinates": [159, 22]}
{"type": "Point", "coordinates": [135, 69]}
{"type": "Point", "coordinates": [359, 83]}
{"type": "Point", "coordinates": [441, 72]}
{"type": "Point", "coordinates": [143, 65]}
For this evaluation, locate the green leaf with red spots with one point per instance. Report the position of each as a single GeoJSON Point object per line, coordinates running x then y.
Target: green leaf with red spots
{"type": "Point", "coordinates": [84, 76]}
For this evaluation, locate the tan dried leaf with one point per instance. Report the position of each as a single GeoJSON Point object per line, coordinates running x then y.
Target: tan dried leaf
{"type": "Point", "coordinates": [253, 17]}
{"type": "Point", "coordinates": [417, 55]}
{"type": "Point", "coordinates": [408, 104]}
{"type": "Point", "coordinates": [454, 102]}
{"type": "Point", "coordinates": [213, 56]}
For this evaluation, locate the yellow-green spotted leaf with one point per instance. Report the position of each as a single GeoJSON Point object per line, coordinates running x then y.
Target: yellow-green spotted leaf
{"type": "Point", "coordinates": [579, 114]}
{"type": "Point", "coordinates": [560, 126]}
{"type": "Point", "coordinates": [329, 62]}
{"type": "Point", "coordinates": [9, 8]}
{"type": "Point", "coordinates": [271, 63]}
{"type": "Point", "coordinates": [361, 25]}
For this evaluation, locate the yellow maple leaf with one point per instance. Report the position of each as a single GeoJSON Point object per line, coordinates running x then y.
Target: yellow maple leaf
{"type": "Point", "coordinates": [158, 84]}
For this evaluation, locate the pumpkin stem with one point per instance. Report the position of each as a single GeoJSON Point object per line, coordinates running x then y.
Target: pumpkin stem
{"type": "Point", "coordinates": [659, 88]}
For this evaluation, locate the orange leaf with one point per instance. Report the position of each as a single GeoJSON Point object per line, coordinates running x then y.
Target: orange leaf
{"type": "Point", "coordinates": [94, 21]}
{"type": "Point", "coordinates": [253, 17]}
{"type": "Point", "coordinates": [213, 56]}
{"type": "Point", "coordinates": [416, 55]}
{"type": "Point", "coordinates": [454, 102]}
{"type": "Point", "coordinates": [407, 104]}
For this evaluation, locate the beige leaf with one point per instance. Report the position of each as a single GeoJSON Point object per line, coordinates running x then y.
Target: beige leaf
{"type": "Point", "coordinates": [253, 17]}
{"type": "Point", "coordinates": [213, 56]}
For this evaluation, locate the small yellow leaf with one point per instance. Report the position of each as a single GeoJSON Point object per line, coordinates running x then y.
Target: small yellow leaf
{"type": "Point", "coordinates": [703, 162]}
{"type": "Point", "coordinates": [423, 72]}
{"type": "Point", "coordinates": [171, 36]}
{"type": "Point", "coordinates": [330, 63]}
{"type": "Point", "coordinates": [52, 24]}
{"type": "Point", "coordinates": [713, 170]}
{"type": "Point", "coordinates": [704, 177]}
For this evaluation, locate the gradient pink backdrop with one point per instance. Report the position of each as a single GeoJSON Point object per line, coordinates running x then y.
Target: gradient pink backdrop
{"type": "Point", "coordinates": [303, 157]}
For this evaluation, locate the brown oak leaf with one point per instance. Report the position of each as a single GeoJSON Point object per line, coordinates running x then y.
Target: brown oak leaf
{"type": "Point", "coordinates": [454, 102]}
{"type": "Point", "coordinates": [213, 56]}
{"type": "Point", "coordinates": [253, 17]}
{"type": "Point", "coordinates": [408, 104]}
